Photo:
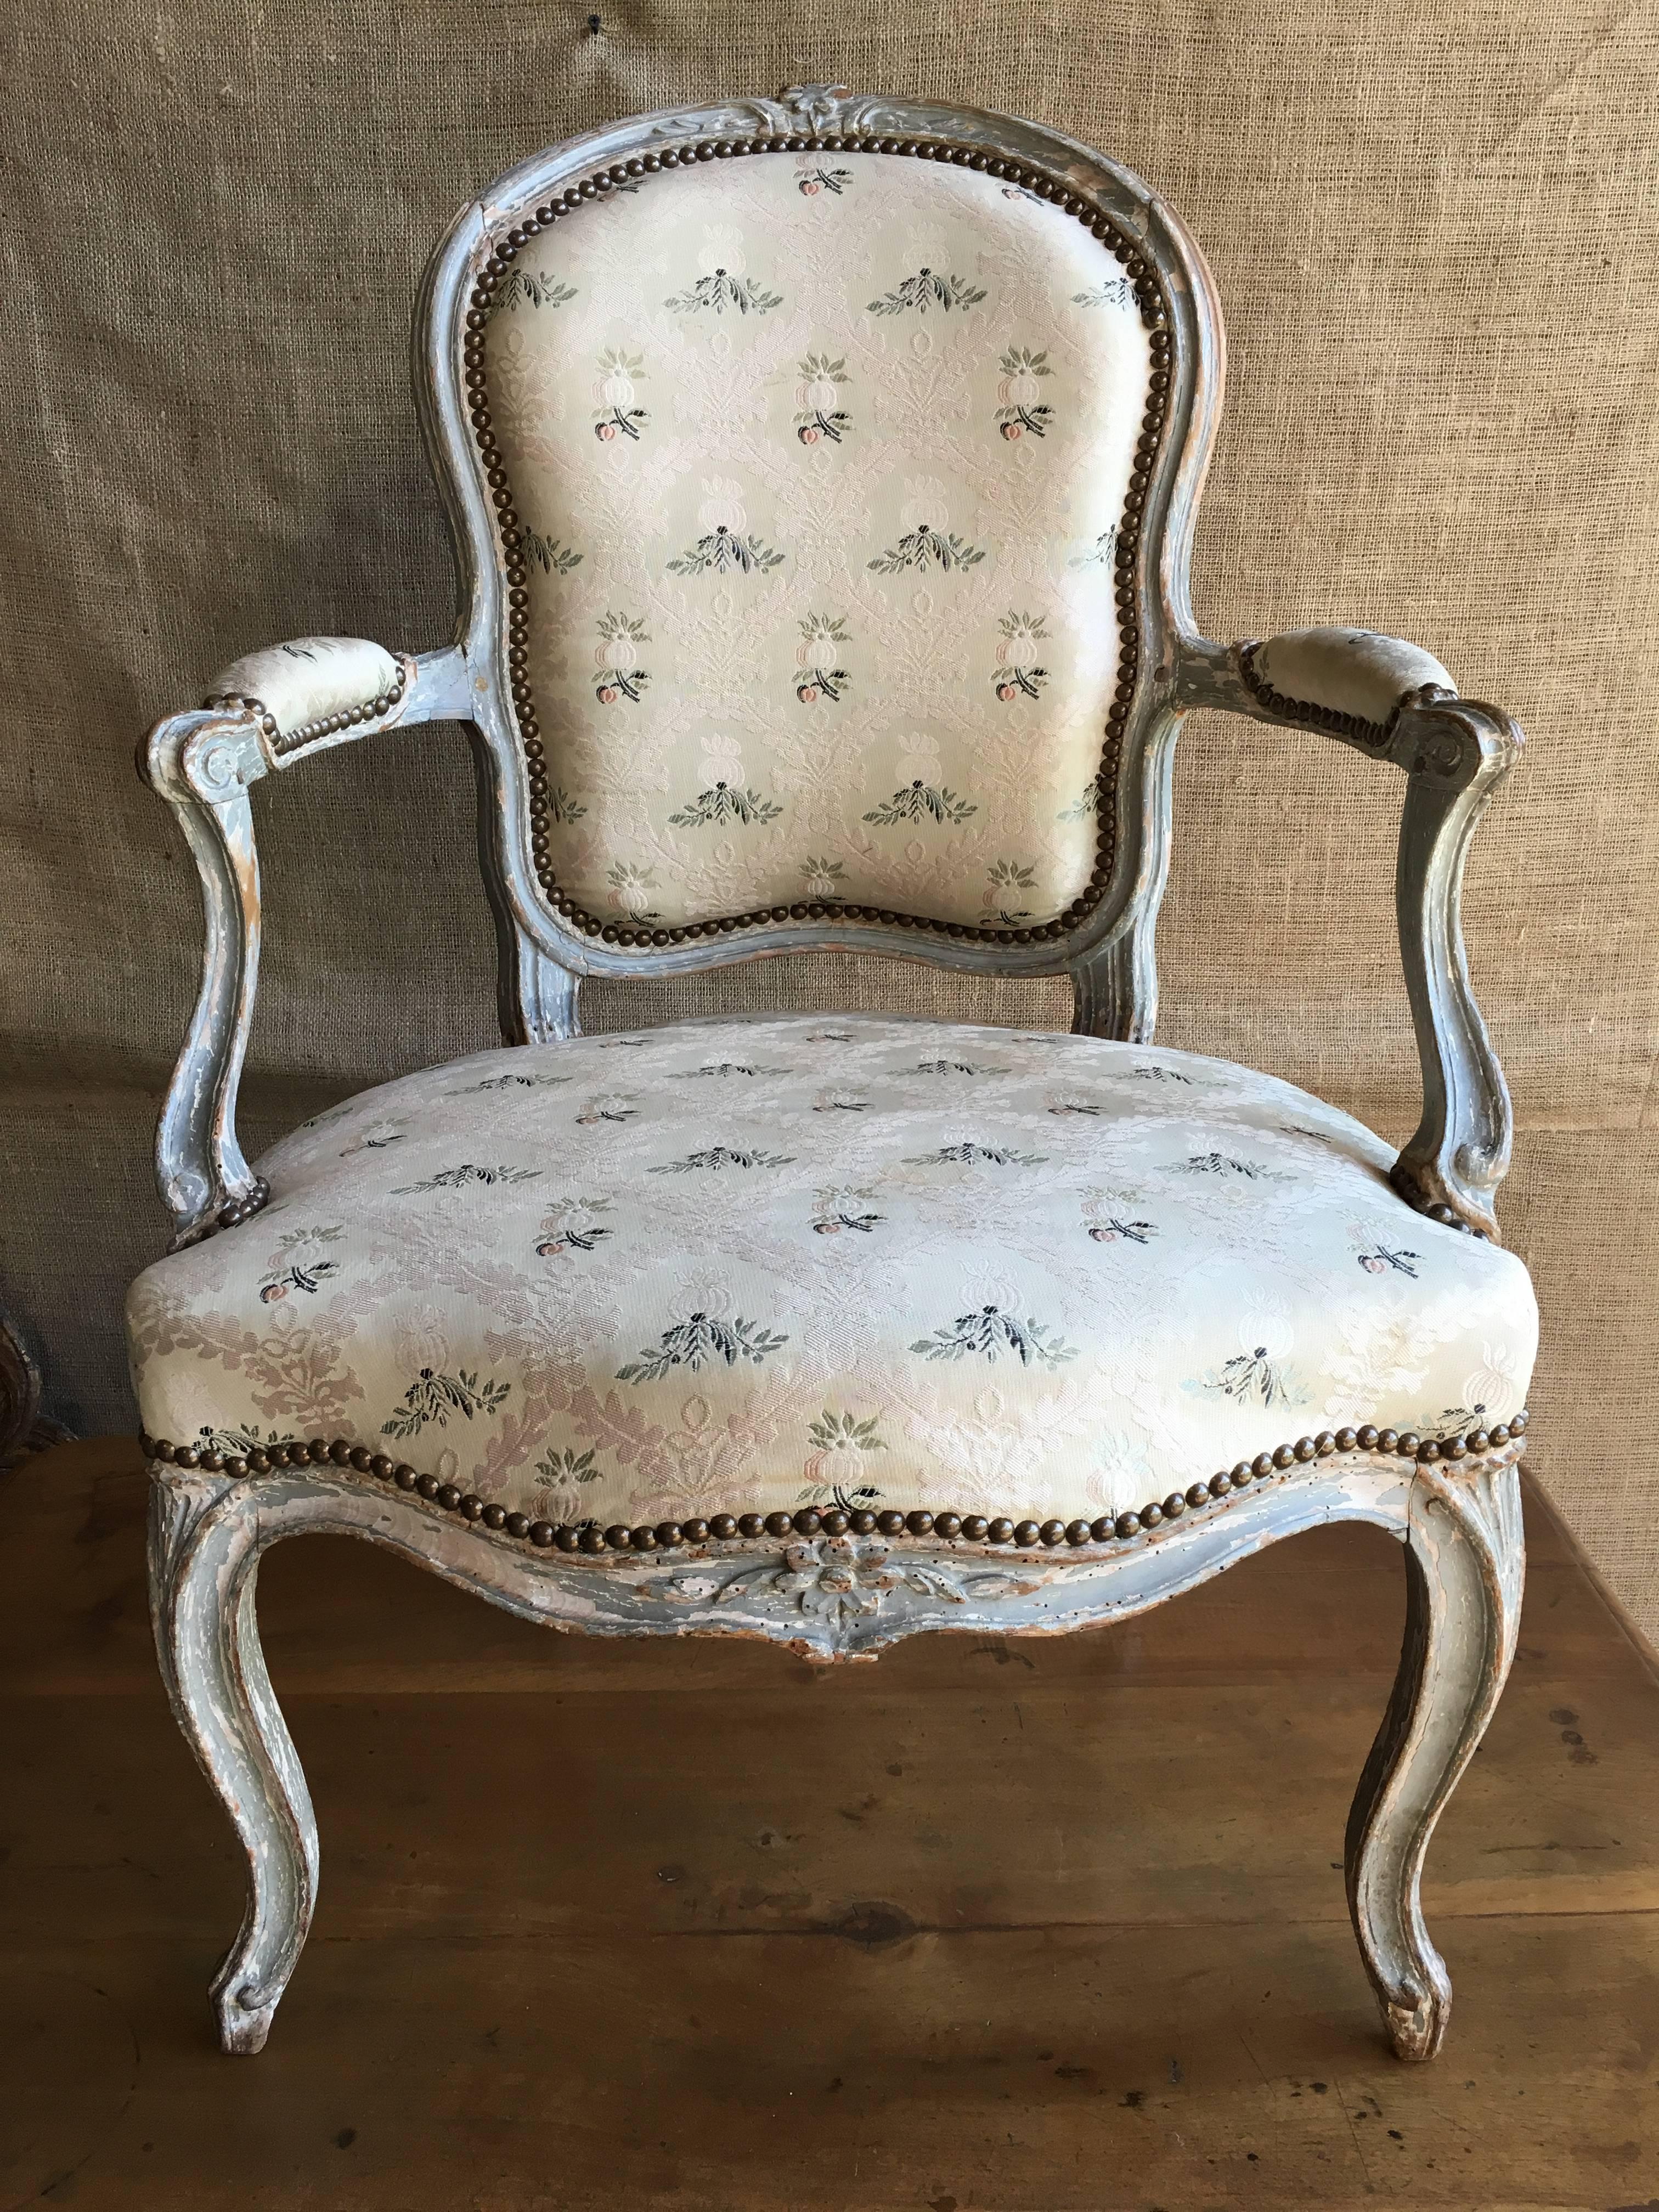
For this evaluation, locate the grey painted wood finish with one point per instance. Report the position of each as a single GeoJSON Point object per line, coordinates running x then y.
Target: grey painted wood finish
{"type": "Point", "coordinates": [835, 1600]}
{"type": "Point", "coordinates": [1454, 752]}
{"type": "Point", "coordinates": [842, 1599]}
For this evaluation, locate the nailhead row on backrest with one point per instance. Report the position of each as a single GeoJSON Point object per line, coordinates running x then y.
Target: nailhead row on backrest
{"type": "Point", "coordinates": [1154, 314]}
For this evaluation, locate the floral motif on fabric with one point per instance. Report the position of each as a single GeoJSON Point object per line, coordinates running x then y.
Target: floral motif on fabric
{"type": "Point", "coordinates": [1114, 293]}
{"type": "Point", "coordinates": [990, 1332]}
{"type": "Point", "coordinates": [921, 802]}
{"type": "Point", "coordinates": [1007, 885]}
{"type": "Point", "coordinates": [1024, 412]}
{"type": "Point", "coordinates": [823, 879]}
{"type": "Point", "coordinates": [817, 672]}
{"type": "Point", "coordinates": [1099, 553]}
{"type": "Point", "coordinates": [756, 411]}
{"type": "Point", "coordinates": [811, 178]}
{"type": "Point", "coordinates": [702, 1337]}
{"type": "Point", "coordinates": [726, 802]}
{"type": "Point", "coordinates": [721, 550]}
{"type": "Point", "coordinates": [924, 547]}
{"type": "Point", "coordinates": [617, 657]}
{"type": "Point", "coordinates": [432, 1398]}
{"type": "Point", "coordinates": [926, 290]}
{"type": "Point", "coordinates": [541, 290]}
{"type": "Point", "coordinates": [1019, 672]}
{"type": "Point", "coordinates": [548, 554]}
{"type": "Point", "coordinates": [722, 289]}
{"type": "Point", "coordinates": [459, 1178]}
{"type": "Point", "coordinates": [644, 1276]}
{"type": "Point", "coordinates": [573, 1227]}
{"type": "Point", "coordinates": [836, 1210]}
{"type": "Point", "coordinates": [619, 414]}
{"type": "Point", "coordinates": [631, 890]}
{"type": "Point", "coordinates": [818, 395]}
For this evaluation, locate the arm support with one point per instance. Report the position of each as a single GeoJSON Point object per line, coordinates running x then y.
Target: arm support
{"type": "Point", "coordinates": [266, 712]}
{"type": "Point", "coordinates": [1396, 703]}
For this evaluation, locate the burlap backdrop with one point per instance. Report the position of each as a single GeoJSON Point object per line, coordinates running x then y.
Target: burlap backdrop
{"type": "Point", "coordinates": [1433, 231]}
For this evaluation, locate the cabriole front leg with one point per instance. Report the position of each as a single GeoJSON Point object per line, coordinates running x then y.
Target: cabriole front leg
{"type": "Point", "coordinates": [1465, 1566]}
{"type": "Point", "coordinates": [204, 1566]}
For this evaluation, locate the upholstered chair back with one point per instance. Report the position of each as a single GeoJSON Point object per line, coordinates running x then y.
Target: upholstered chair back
{"type": "Point", "coordinates": [818, 468]}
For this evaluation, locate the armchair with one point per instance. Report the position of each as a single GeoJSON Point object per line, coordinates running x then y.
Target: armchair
{"type": "Point", "coordinates": [822, 474]}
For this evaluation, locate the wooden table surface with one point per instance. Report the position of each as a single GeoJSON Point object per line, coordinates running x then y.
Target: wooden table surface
{"type": "Point", "coordinates": [1039, 1925]}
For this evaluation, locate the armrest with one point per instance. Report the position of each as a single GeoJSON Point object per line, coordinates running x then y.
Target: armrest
{"type": "Point", "coordinates": [265, 711]}
{"type": "Point", "coordinates": [1396, 703]}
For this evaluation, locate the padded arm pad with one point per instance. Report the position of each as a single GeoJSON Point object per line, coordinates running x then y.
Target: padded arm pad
{"type": "Point", "coordinates": [312, 684]}
{"type": "Point", "coordinates": [1353, 672]}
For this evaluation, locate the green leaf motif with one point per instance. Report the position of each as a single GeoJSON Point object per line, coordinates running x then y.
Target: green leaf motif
{"type": "Point", "coordinates": [722, 289]}
{"type": "Point", "coordinates": [541, 291]}
{"type": "Point", "coordinates": [924, 547]}
{"type": "Point", "coordinates": [723, 1155]}
{"type": "Point", "coordinates": [433, 1397]}
{"type": "Point", "coordinates": [569, 1466]}
{"type": "Point", "coordinates": [556, 559]}
{"type": "Point", "coordinates": [990, 1332]}
{"type": "Point", "coordinates": [918, 802]}
{"type": "Point", "coordinates": [844, 1432]}
{"type": "Point", "coordinates": [726, 803]}
{"type": "Point", "coordinates": [927, 289]}
{"type": "Point", "coordinates": [237, 1444]}
{"type": "Point", "coordinates": [970, 1155]}
{"type": "Point", "coordinates": [721, 549]}
{"type": "Point", "coordinates": [459, 1178]}
{"type": "Point", "coordinates": [702, 1337]}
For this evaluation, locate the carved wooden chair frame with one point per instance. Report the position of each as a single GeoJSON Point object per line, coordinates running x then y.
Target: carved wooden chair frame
{"type": "Point", "coordinates": [831, 1585]}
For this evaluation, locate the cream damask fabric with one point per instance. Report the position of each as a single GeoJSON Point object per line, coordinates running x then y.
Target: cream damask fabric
{"type": "Point", "coordinates": [737, 1265]}
{"type": "Point", "coordinates": [308, 678]}
{"type": "Point", "coordinates": [821, 462]}
{"type": "Point", "coordinates": [1357, 672]}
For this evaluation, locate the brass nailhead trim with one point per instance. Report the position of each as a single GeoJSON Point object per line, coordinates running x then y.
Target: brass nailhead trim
{"type": "Point", "coordinates": [808, 1521]}
{"type": "Point", "coordinates": [241, 1209]}
{"type": "Point", "coordinates": [347, 717]}
{"type": "Point", "coordinates": [1154, 314]}
{"type": "Point", "coordinates": [1375, 737]}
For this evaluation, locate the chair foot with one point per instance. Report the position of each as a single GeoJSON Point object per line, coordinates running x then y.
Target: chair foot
{"type": "Point", "coordinates": [242, 2028]}
{"type": "Point", "coordinates": [204, 1561]}
{"type": "Point", "coordinates": [1418, 2032]}
{"type": "Point", "coordinates": [1465, 1565]}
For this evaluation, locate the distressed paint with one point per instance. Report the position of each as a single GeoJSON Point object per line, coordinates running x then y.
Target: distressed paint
{"type": "Point", "coordinates": [834, 1601]}
{"type": "Point", "coordinates": [1455, 752]}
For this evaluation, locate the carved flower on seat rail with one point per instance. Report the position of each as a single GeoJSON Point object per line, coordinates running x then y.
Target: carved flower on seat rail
{"type": "Point", "coordinates": [834, 1577]}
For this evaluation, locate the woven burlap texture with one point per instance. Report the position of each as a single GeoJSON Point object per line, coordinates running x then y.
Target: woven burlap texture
{"type": "Point", "coordinates": [1433, 230]}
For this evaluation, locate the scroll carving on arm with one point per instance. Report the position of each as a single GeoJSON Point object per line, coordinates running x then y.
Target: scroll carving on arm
{"type": "Point", "coordinates": [266, 712]}
{"type": "Point", "coordinates": [1396, 703]}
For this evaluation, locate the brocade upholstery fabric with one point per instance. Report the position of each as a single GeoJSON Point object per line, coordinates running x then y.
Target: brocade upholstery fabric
{"type": "Point", "coordinates": [734, 1265]}
{"type": "Point", "coordinates": [821, 462]}
{"type": "Point", "coordinates": [308, 677]}
{"type": "Point", "coordinates": [1356, 672]}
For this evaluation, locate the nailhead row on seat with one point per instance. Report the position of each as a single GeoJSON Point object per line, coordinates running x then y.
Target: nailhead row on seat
{"type": "Point", "coordinates": [1154, 314]}
{"type": "Point", "coordinates": [808, 1521]}
{"type": "Point", "coordinates": [242, 1209]}
{"type": "Point", "coordinates": [347, 718]}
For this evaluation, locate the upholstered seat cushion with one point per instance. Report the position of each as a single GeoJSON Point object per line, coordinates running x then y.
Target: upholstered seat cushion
{"type": "Point", "coordinates": [734, 1266]}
